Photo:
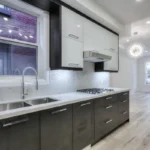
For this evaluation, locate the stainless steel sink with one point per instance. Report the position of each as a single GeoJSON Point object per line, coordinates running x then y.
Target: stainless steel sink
{"type": "Point", "coordinates": [40, 101]}
{"type": "Point", "coordinates": [11, 106]}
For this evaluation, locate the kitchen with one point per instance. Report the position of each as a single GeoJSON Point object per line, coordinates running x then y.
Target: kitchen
{"type": "Point", "coordinates": [72, 75]}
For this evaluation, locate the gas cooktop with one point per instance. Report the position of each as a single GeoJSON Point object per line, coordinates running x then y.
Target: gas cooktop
{"type": "Point", "coordinates": [95, 91]}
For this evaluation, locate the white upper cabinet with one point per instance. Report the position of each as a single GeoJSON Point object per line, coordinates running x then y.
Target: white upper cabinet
{"type": "Point", "coordinates": [72, 53]}
{"type": "Point", "coordinates": [72, 25]}
{"type": "Point", "coordinates": [102, 40]}
{"type": "Point", "coordinates": [72, 39]}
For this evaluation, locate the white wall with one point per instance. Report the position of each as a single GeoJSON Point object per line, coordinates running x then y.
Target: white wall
{"type": "Point", "coordinates": [126, 77]}
{"type": "Point", "coordinates": [141, 86]}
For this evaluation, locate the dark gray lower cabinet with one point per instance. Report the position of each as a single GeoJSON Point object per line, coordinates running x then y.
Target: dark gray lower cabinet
{"type": "Point", "coordinates": [20, 133]}
{"type": "Point", "coordinates": [56, 129]}
{"type": "Point", "coordinates": [110, 112]}
{"type": "Point", "coordinates": [83, 125]}
{"type": "Point", "coordinates": [123, 107]}
{"type": "Point", "coordinates": [4, 138]}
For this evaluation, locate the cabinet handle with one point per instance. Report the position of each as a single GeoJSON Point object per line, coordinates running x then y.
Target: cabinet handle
{"type": "Point", "coordinates": [109, 98]}
{"type": "Point", "coordinates": [109, 121]}
{"type": "Point", "coordinates": [73, 36]}
{"type": "Point", "coordinates": [85, 104]}
{"type": "Point", "coordinates": [108, 107]}
{"type": "Point", "coordinates": [125, 101]}
{"type": "Point", "coordinates": [125, 93]}
{"type": "Point", "coordinates": [59, 111]}
{"type": "Point", "coordinates": [15, 122]}
{"type": "Point", "coordinates": [73, 65]}
{"type": "Point", "coordinates": [124, 113]}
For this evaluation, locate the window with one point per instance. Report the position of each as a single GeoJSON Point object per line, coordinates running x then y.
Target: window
{"type": "Point", "coordinates": [18, 41]}
{"type": "Point", "coordinates": [147, 73]}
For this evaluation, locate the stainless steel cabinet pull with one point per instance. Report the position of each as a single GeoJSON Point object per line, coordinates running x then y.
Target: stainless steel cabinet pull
{"type": "Point", "coordinates": [108, 107]}
{"type": "Point", "coordinates": [125, 93]}
{"type": "Point", "coordinates": [124, 113]}
{"type": "Point", "coordinates": [109, 98]}
{"type": "Point", "coordinates": [125, 101]}
{"type": "Point", "coordinates": [74, 65]}
{"type": "Point", "coordinates": [59, 111]}
{"type": "Point", "coordinates": [109, 121]}
{"type": "Point", "coordinates": [85, 104]}
{"type": "Point", "coordinates": [73, 36]}
{"type": "Point", "coordinates": [14, 122]}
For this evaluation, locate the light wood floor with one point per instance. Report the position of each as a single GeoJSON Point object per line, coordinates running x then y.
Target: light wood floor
{"type": "Point", "coordinates": [134, 135]}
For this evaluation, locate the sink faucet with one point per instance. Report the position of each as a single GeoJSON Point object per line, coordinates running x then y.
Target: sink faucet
{"type": "Point", "coordinates": [23, 82]}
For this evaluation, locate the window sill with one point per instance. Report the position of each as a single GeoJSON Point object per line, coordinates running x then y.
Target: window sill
{"type": "Point", "coordinates": [17, 81]}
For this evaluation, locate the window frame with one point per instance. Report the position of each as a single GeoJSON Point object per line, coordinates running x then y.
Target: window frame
{"type": "Point", "coordinates": [148, 84]}
{"type": "Point", "coordinates": [24, 43]}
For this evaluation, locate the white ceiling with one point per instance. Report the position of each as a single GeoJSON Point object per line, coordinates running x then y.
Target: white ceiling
{"type": "Point", "coordinates": [127, 11]}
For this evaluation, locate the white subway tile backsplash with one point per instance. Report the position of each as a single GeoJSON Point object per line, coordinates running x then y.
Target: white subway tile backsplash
{"type": "Point", "coordinates": [61, 81]}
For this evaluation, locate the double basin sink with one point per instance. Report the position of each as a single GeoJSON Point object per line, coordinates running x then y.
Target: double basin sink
{"type": "Point", "coordinates": [16, 105]}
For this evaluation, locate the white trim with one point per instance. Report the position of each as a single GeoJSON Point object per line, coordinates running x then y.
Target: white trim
{"type": "Point", "coordinates": [18, 41]}
{"type": "Point", "coordinates": [42, 45]}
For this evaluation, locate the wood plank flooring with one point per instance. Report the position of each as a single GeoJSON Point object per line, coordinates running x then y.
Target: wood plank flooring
{"type": "Point", "coordinates": [134, 135]}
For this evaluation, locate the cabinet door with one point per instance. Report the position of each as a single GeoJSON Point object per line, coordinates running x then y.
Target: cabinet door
{"type": "Point", "coordinates": [4, 138]}
{"type": "Point", "coordinates": [25, 135]}
{"type": "Point", "coordinates": [72, 25]}
{"type": "Point", "coordinates": [112, 64]}
{"type": "Point", "coordinates": [56, 129]}
{"type": "Point", "coordinates": [72, 53]}
{"type": "Point", "coordinates": [94, 37]}
{"type": "Point", "coordinates": [112, 48]}
{"type": "Point", "coordinates": [83, 129]}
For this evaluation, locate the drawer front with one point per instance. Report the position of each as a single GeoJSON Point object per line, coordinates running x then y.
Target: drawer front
{"type": "Point", "coordinates": [123, 111]}
{"type": "Point", "coordinates": [83, 125]}
{"type": "Point", "coordinates": [105, 101]}
{"type": "Point", "coordinates": [105, 119]}
{"type": "Point", "coordinates": [124, 96]}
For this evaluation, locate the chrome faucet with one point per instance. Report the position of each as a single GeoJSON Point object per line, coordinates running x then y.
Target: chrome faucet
{"type": "Point", "coordinates": [23, 82]}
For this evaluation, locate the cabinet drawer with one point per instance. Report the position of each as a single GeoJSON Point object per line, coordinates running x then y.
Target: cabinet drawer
{"type": "Point", "coordinates": [124, 96]}
{"type": "Point", "coordinates": [72, 25]}
{"type": "Point", "coordinates": [123, 111]}
{"type": "Point", "coordinates": [72, 53]}
{"type": "Point", "coordinates": [105, 101]}
{"type": "Point", "coordinates": [105, 119]}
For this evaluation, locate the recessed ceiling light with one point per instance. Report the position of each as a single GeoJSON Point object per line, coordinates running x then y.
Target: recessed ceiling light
{"type": "Point", "coordinates": [1, 30]}
{"type": "Point", "coordinates": [139, 0]}
{"type": "Point", "coordinates": [6, 19]}
{"type": "Point", "coordinates": [146, 51]}
{"type": "Point", "coordinates": [128, 40]}
{"type": "Point", "coordinates": [148, 22]}
{"type": "Point", "coordinates": [78, 25]}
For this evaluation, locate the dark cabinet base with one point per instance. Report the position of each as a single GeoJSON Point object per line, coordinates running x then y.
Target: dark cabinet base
{"type": "Point", "coordinates": [102, 137]}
